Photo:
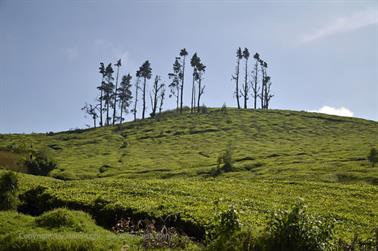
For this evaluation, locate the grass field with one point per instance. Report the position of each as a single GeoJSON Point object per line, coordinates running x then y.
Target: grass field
{"type": "Point", "coordinates": [162, 167]}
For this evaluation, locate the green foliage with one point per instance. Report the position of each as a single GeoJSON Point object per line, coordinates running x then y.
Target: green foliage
{"type": "Point", "coordinates": [8, 191]}
{"type": "Point", "coordinates": [228, 222]}
{"type": "Point", "coordinates": [103, 168]}
{"type": "Point", "coordinates": [164, 169]}
{"type": "Point", "coordinates": [40, 164]}
{"type": "Point", "coordinates": [203, 109]}
{"type": "Point", "coordinates": [63, 175]}
{"type": "Point", "coordinates": [307, 146]}
{"type": "Point", "coordinates": [228, 235]}
{"type": "Point", "coordinates": [360, 244]}
{"type": "Point", "coordinates": [373, 156]}
{"type": "Point", "coordinates": [291, 230]}
{"type": "Point", "coordinates": [36, 200]}
{"type": "Point", "coordinates": [296, 230]}
{"type": "Point", "coordinates": [242, 240]}
{"type": "Point", "coordinates": [63, 218]}
{"type": "Point", "coordinates": [225, 224]}
{"type": "Point", "coordinates": [65, 241]}
{"type": "Point", "coordinates": [20, 232]}
{"type": "Point", "coordinates": [226, 161]}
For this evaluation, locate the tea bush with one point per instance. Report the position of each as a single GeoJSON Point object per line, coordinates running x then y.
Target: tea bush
{"type": "Point", "coordinates": [295, 230]}
{"type": "Point", "coordinates": [8, 191]}
{"type": "Point", "coordinates": [40, 164]}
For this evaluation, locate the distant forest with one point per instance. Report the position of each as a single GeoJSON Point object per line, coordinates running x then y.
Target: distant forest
{"type": "Point", "coordinates": [118, 96]}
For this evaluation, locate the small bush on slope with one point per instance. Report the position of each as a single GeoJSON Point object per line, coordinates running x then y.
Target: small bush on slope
{"type": "Point", "coordinates": [291, 230]}
{"type": "Point", "coordinates": [36, 200]}
{"type": "Point", "coordinates": [63, 218]}
{"type": "Point", "coordinates": [40, 164]}
{"type": "Point", "coordinates": [227, 234]}
{"type": "Point", "coordinates": [294, 230]}
{"type": "Point", "coordinates": [225, 162]}
{"type": "Point", "coordinates": [373, 156]}
{"type": "Point", "coordinates": [8, 191]}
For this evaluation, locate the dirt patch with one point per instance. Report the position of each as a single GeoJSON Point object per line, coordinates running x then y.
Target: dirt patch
{"type": "Point", "coordinates": [11, 160]}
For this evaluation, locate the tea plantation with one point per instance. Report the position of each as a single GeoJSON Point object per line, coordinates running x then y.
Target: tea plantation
{"type": "Point", "coordinates": [163, 169]}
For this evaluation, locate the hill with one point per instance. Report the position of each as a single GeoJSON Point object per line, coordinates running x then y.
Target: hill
{"type": "Point", "coordinates": [272, 144]}
{"type": "Point", "coordinates": [163, 167]}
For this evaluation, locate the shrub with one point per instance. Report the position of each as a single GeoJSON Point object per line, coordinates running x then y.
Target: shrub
{"type": "Point", "coordinates": [295, 230]}
{"type": "Point", "coordinates": [8, 191]}
{"type": "Point", "coordinates": [227, 234]}
{"type": "Point", "coordinates": [36, 201]}
{"type": "Point", "coordinates": [40, 164]}
{"type": "Point", "coordinates": [103, 168]}
{"type": "Point", "coordinates": [216, 171]}
{"type": "Point", "coordinates": [203, 109]}
{"type": "Point", "coordinates": [242, 240]}
{"type": "Point", "coordinates": [360, 244]}
{"type": "Point", "coordinates": [225, 163]}
{"type": "Point", "coordinates": [228, 222]}
{"type": "Point", "coordinates": [63, 218]}
{"type": "Point", "coordinates": [373, 156]}
{"type": "Point", "coordinates": [226, 160]}
{"type": "Point", "coordinates": [224, 108]}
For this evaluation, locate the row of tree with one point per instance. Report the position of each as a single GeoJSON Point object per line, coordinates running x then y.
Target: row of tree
{"type": "Point", "coordinates": [115, 99]}
{"type": "Point", "coordinates": [256, 83]}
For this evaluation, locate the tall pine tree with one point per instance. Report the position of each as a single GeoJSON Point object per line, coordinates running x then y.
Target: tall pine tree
{"type": "Point", "coordinates": [146, 73]}
{"type": "Point", "coordinates": [124, 96]}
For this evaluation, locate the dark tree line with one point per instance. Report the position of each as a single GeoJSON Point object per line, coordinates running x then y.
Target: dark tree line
{"type": "Point", "coordinates": [117, 99]}
{"type": "Point", "coordinates": [256, 83]}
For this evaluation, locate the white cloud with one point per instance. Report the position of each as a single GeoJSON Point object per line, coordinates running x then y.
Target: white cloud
{"type": "Point", "coordinates": [70, 53]}
{"type": "Point", "coordinates": [114, 51]}
{"type": "Point", "coordinates": [339, 111]}
{"type": "Point", "coordinates": [343, 24]}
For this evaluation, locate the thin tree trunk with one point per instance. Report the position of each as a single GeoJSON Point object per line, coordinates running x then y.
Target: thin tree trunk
{"type": "Point", "coordinates": [262, 88]}
{"type": "Point", "coordinates": [101, 123]}
{"type": "Point", "coordinates": [178, 99]}
{"type": "Point", "coordinates": [266, 98]}
{"type": "Point", "coordinates": [144, 98]}
{"type": "Point", "coordinates": [120, 118]}
{"type": "Point", "coordinates": [154, 102]}
{"type": "Point", "coordinates": [194, 98]}
{"type": "Point", "coordinates": [237, 83]}
{"type": "Point", "coordinates": [192, 101]}
{"type": "Point", "coordinates": [182, 84]}
{"type": "Point", "coordinates": [246, 84]}
{"type": "Point", "coordinates": [115, 96]}
{"type": "Point", "coordinates": [199, 95]}
{"type": "Point", "coordinates": [107, 113]}
{"type": "Point", "coordinates": [136, 98]}
{"type": "Point", "coordinates": [161, 103]}
{"type": "Point", "coordinates": [255, 85]}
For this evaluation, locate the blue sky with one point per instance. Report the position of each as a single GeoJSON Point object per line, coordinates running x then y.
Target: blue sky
{"type": "Point", "coordinates": [322, 55]}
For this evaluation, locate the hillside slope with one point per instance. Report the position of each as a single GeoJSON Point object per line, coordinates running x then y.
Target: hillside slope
{"type": "Point", "coordinates": [272, 144]}
{"type": "Point", "coordinates": [161, 167]}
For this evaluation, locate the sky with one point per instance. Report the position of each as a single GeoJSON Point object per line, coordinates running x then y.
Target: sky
{"type": "Point", "coordinates": [322, 55]}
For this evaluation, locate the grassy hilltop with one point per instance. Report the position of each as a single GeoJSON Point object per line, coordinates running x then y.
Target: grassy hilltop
{"type": "Point", "coordinates": [161, 167]}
